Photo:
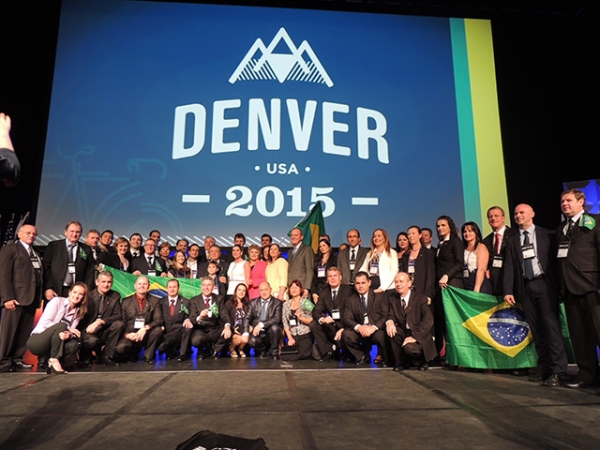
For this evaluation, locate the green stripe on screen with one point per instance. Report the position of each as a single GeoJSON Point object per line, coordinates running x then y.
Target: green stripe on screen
{"type": "Point", "coordinates": [466, 130]}
{"type": "Point", "coordinates": [486, 119]}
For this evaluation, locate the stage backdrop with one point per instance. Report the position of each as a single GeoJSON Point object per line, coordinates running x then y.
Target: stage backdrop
{"type": "Point", "coordinates": [207, 119]}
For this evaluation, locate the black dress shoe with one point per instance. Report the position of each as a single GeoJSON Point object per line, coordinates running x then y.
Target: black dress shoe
{"type": "Point", "coordinates": [327, 356]}
{"type": "Point", "coordinates": [42, 362]}
{"type": "Point", "coordinates": [22, 365]}
{"type": "Point", "coordinates": [7, 369]}
{"type": "Point", "coordinates": [149, 360]}
{"type": "Point", "coordinates": [553, 380]}
{"type": "Point", "coordinates": [579, 385]}
{"type": "Point", "coordinates": [399, 369]}
{"type": "Point", "coordinates": [383, 364]}
{"type": "Point", "coordinates": [215, 355]}
{"type": "Point", "coordinates": [363, 360]}
{"type": "Point", "coordinates": [107, 360]}
{"type": "Point", "coordinates": [519, 372]}
{"type": "Point", "coordinates": [423, 367]}
{"type": "Point", "coordinates": [183, 357]}
{"type": "Point", "coordinates": [264, 355]}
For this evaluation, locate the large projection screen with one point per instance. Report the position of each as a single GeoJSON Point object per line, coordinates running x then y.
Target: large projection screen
{"type": "Point", "coordinates": [203, 120]}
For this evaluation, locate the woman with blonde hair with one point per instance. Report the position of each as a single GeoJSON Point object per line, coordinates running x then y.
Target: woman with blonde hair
{"type": "Point", "coordinates": [381, 262]}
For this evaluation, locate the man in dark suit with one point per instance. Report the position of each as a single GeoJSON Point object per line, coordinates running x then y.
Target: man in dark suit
{"type": "Point", "coordinates": [496, 245]}
{"type": "Point", "coordinates": [530, 276]}
{"type": "Point", "coordinates": [66, 262]}
{"type": "Point", "coordinates": [20, 296]}
{"type": "Point", "coordinates": [408, 326]}
{"type": "Point", "coordinates": [143, 320]}
{"type": "Point", "coordinates": [578, 259]}
{"type": "Point", "coordinates": [177, 328]}
{"type": "Point", "coordinates": [262, 324]}
{"type": "Point", "coordinates": [102, 324]}
{"type": "Point", "coordinates": [135, 246]}
{"type": "Point", "coordinates": [364, 321]}
{"type": "Point", "coordinates": [328, 314]}
{"type": "Point", "coordinates": [148, 263]}
{"type": "Point", "coordinates": [351, 258]}
{"type": "Point", "coordinates": [301, 259]}
{"type": "Point", "coordinates": [210, 319]}
{"type": "Point", "coordinates": [216, 257]}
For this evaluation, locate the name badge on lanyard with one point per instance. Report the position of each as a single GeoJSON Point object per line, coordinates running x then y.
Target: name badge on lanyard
{"type": "Point", "coordinates": [335, 314]}
{"type": "Point", "coordinates": [365, 319]}
{"type": "Point", "coordinates": [293, 321]}
{"type": "Point", "coordinates": [71, 268]}
{"type": "Point", "coordinates": [411, 266]}
{"type": "Point", "coordinates": [35, 263]}
{"type": "Point", "coordinates": [528, 251]}
{"type": "Point", "coordinates": [151, 273]}
{"type": "Point", "coordinates": [465, 271]}
{"type": "Point", "coordinates": [563, 249]}
{"type": "Point", "coordinates": [374, 268]}
{"type": "Point", "coordinates": [352, 265]}
{"type": "Point", "coordinates": [497, 262]}
{"type": "Point", "coordinates": [139, 323]}
{"type": "Point", "coordinates": [321, 272]}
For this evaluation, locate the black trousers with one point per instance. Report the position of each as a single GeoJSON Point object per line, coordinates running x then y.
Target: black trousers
{"type": "Point", "coordinates": [540, 304]}
{"type": "Point", "coordinates": [269, 340]}
{"type": "Point", "coordinates": [130, 348]}
{"type": "Point", "coordinates": [48, 343]}
{"type": "Point", "coordinates": [15, 328]}
{"type": "Point", "coordinates": [583, 317]}
{"type": "Point", "coordinates": [177, 337]}
{"type": "Point", "coordinates": [408, 354]}
{"type": "Point", "coordinates": [107, 336]}
{"type": "Point", "coordinates": [360, 346]}
{"type": "Point", "coordinates": [304, 345]}
{"type": "Point", "coordinates": [206, 338]}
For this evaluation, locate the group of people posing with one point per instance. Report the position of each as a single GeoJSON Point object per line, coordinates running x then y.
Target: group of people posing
{"type": "Point", "coordinates": [319, 306]}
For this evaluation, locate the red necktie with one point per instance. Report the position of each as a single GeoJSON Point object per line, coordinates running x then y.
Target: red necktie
{"type": "Point", "coordinates": [172, 307]}
{"type": "Point", "coordinates": [497, 243]}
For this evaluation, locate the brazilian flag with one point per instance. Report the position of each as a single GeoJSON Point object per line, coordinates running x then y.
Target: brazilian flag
{"type": "Point", "coordinates": [485, 332]}
{"type": "Point", "coordinates": [312, 226]}
{"type": "Point", "coordinates": [123, 283]}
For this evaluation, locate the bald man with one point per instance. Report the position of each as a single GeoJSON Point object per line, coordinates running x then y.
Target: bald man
{"type": "Point", "coordinates": [530, 278]}
{"type": "Point", "coordinates": [20, 296]}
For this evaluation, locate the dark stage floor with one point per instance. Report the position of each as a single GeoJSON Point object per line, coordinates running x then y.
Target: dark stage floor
{"type": "Point", "coordinates": [301, 406]}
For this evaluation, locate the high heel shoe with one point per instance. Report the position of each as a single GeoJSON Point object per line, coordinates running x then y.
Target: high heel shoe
{"type": "Point", "coordinates": [51, 370]}
{"type": "Point", "coordinates": [233, 352]}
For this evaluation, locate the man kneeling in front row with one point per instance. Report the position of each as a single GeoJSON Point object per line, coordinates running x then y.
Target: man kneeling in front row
{"type": "Point", "coordinates": [409, 325]}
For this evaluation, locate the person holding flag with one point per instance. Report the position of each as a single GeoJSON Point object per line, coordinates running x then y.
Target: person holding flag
{"type": "Point", "coordinates": [212, 326]}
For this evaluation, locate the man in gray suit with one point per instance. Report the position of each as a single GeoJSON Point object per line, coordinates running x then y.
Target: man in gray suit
{"type": "Point", "coordinates": [352, 258]}
{"type": "Point", "coordinates": [301, 260]}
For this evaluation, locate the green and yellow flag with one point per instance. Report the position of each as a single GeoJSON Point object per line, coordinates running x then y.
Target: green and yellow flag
{"type": "Point", "coordinates": [312, 226]}
{"type": "Point", "coordinates": [484, 332]}
{"type": "Point", "coordinates": [123, 284]}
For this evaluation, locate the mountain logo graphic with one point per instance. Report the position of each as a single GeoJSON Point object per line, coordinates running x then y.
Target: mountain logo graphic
{"type": "Point", "coordinates": [262, 63]}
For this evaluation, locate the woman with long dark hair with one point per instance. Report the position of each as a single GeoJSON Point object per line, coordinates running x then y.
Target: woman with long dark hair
{"type": "Point", "coordinates": [476, 256]}
{"type": "Point", "coordinates": [237, 307]}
